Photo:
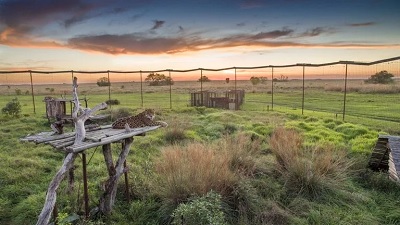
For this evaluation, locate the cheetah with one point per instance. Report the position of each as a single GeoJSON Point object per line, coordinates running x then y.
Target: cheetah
{"type": "Point", "coordinates": [142, 119]}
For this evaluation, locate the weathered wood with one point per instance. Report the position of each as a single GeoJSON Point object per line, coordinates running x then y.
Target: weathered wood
{"type": "Point", "coordinates": [51, 195]}
{"type": "Point", "coordinates": [108, 140]}
{"type": "Point", "coordinates": [80, 114]}
{"type": "Point", "coordinates": [108, 198]}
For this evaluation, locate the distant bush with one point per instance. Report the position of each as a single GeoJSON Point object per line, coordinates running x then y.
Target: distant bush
{"type": "Point", "coordinates": [113, 102]}
{"type": "Point", "coordinates": [13, 108]}
{"type": "Point", "coordinates": [103, 81]}
{"type": "Point", "coordinates": [156, 79]}
{"type": "Point", "coordinates": [18, 91]}
{"type": "Point", "coordinates": [382, 77]}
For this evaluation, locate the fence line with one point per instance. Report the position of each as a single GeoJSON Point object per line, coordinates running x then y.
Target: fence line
{"type": "Point", "coordinates": [214, 70]}
{"type": "Point", "coordinates": [302, 65]}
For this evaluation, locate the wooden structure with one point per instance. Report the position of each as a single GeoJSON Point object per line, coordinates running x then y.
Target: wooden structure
{"type": "Point", "coordinates": [77, 142]}
{"type": "Point", "coordinates": [57, 107]}
{"type": "Point", "coordinates": [231, 99]}
{"type": "Point", "coordinates": [386, 156]}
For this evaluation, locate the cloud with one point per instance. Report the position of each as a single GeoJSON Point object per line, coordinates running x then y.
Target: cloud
{"type": "Point", "coordinates": [157, 24]}
{"type": "Point", "coordinates": [361, 24]}
{"type": "Point", "coordinates": [127, 44]}
{"type": "Point", "coordinates": [140, 43]}
{"type": "Point", "coordinates": [316, 31]}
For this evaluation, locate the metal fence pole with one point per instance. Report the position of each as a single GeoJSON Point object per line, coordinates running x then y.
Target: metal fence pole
{"type": "Point", "coordinates": [109, 85]}
{"type": "Point", "coordinates": [236, 95]}
{"type": "Point", "coordinates": [170, 89]}
{"type": "Point", "coordinates": [272, 88]}
{"type": "Point", "coordinates": [33, 94]}
{"type": "Point", "coordinates": [345, 92]}
{"type": "Point", "coordinates": [141, 88]}
{"type": "Point", "coordinates": [302, 100]}
{"type": "Point", "coordinates": [201, 86]}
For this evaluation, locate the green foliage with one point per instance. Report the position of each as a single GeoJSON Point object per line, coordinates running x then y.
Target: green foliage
{"type": "Point", "coordinates": [200, 211]}
{"type": "Point", "coordinates": [175, 135]}
{"type": "Point", "coordinates": [13, 108]}
{"type": "Point", "coordinates": [18, 91]}
{"type": "Point", "coordinates": [382, 77]}
{"type": "Point", "coordinates": [113, 102]}
{"type": "Point", "coordinates": [103, 82]}
{"type": "Point", "coordinates": [156, 79]}
{"type": "Point", "coordinates": [255, 80]}
{"type": "Point", "coordinates": [204, 79]}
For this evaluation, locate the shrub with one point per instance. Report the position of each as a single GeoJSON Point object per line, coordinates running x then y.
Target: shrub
{"type": "Point", "coordinates": [382, 77]}
{"type": "Point", "coordinates": [103, 82]}
{"type": "Point", "coordinates": [113, 102]}
{"type": "Point", "coordinates": [18, 91]}
{"type": "Point", "coordinates": [13, 108]}
{"type": "Point", "coordinates": [200, 211]}
{"type": "Point", "coordinates": [175, 135]}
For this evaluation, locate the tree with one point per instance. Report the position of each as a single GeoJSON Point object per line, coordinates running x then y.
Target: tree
{"type": "Point", "coordinates": [204, 79]}
{"type": "Point", "coordinates": [382, 77]}
{"type": "Point", "coordinates": [255, 80]}
{"type": "Point", "coordinates": [156, 79]}
{"type": "Point", "coordinates": [103, 81]}
{"type": "Point", "coordinates": [13, 108]}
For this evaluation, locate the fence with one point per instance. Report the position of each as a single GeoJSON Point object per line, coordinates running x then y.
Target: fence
{"type": "Point", "coordinates": [335, 87]}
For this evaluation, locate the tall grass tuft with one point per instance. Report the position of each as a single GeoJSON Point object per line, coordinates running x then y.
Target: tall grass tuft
{"type": "Point", "coordinates": [194, 169]}
{"type": "Point", "coordinates": [224, 167]}
{"type": "Point", "coordinates": [309, 171]}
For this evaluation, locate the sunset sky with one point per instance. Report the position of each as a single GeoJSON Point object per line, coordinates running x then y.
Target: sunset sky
{"type": "Point", "coordinates": [170, 34]}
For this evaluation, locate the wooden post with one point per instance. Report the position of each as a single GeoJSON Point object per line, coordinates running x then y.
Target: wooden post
{"type": "Point", "coordinates": [51, 195]}
{"type": "Point", "coordinates": [85, 185]}
{"type": "Point", "coordinates": [108, 198]}
{"type": "Point", "coordinates": [128, 197]}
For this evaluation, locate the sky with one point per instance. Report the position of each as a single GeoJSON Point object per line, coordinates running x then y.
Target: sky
{"type": "Point", "coordinates": [94, 35]}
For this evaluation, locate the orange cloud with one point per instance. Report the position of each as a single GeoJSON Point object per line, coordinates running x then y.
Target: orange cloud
{"type": "Point", "coordinates": [12, 37]}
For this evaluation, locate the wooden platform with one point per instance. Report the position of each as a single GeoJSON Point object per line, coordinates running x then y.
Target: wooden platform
{"type": "Point", "coordinates": [94, 137]}
{"type": "Point", "coordinates": [386, 156]}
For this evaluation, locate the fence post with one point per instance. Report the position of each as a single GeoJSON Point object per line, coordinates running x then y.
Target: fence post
{"type": "Point", "coordinates": [236, 97]}
{"type": "Point", "coordinates": [170, 89]}
{"type": "Point", "coordinates": [345, 92]}
{"type": "Point", "coordinates": [109, 85]}
{"type": "Point", "coordinates": [141, 88]}
{"type": "Point", "coordinates": [272, 88]}
{"type": "Point", "coordinates": [201, 86]}
{"type": "Point", "coordinates": [33, 95]}
{"type": "Point", "coordinates": [302, 100]}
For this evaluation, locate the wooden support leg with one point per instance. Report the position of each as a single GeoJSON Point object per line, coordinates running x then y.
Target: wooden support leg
{"type": "Point", "coordinates": [108, 198]}
{"type": "Point", "coordinates": [51, 195]}
{"type": "Point", "coordinates": [126, 183]}
{"type": "Point", "coordinates": [85, 185]}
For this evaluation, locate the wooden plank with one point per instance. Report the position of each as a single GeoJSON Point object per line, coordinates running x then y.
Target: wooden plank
{"type": "Point", "coordinates": [85, 145]}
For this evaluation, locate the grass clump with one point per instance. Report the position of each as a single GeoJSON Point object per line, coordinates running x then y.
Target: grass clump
{"type": "Point", "coordinates": [195, 169]}
{"type": "Point", "coordinates": [308, 171]}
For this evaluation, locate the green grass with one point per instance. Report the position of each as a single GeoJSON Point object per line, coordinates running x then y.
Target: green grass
{"type": "Point", "coordinates": [256, 191]}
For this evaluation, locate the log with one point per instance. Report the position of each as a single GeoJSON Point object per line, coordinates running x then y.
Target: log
{"type": "Point", "coordinates": [108, 198]}
{"type": "Point", "coordinates": [51, 195]}
{"type": "Point", "coordinates": [80, 114]}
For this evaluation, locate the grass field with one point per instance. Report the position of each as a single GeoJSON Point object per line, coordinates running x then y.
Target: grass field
{"type": "Point", "coordinates": [252, 166]}
{"type": "Point", "coordinates": [374, 103]}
